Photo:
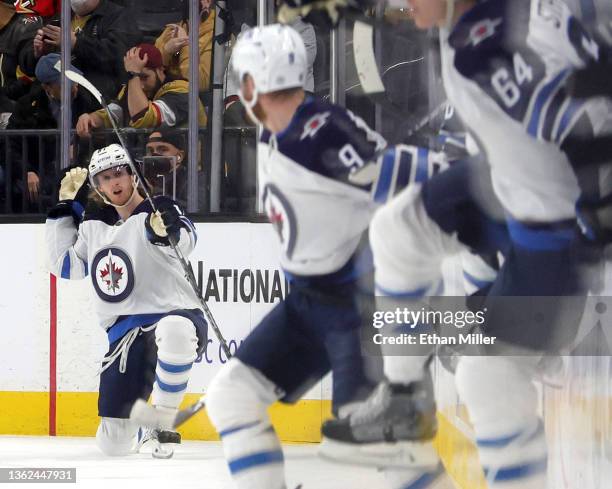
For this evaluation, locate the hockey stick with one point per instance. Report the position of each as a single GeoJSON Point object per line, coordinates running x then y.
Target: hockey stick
{"type": "Point", "coordinates": [87, 85]}
{"type": "Point", "coordinates": [371, 79]}
{"type": "Point", "coordinates": [146, 415]}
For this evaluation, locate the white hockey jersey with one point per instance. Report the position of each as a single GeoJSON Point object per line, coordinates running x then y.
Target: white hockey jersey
{"type": "Point", "coordinates": [134, 282]}
{"type": "Point", "coordinates": [505, 65]}
{"type": "Point", "coordinates": [323, 177]}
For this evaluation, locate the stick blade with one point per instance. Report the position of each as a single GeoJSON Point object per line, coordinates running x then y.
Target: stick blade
{"type": "Point", "coordinates": [85, 83]}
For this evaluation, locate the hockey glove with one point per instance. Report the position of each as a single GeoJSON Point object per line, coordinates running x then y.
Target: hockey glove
{"type": "Point", "coordinates": [163, 223]}
{"type": "Point", "coordinates": [595, 219]}
{"type": "Point", "coordinates": [74, 186]}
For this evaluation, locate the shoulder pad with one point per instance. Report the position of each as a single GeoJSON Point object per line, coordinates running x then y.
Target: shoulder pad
{"type": "Point", "coordinates": [329, 140]}
{"type": "Point", "coordinates": [492, 50]}
{"type": "Point", "coordinates": [106, 214]}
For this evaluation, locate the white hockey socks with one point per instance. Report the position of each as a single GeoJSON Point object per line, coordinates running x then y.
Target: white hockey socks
{"type": "Point", "coordinates": [237, 403]}
{"type": "Point", "coordinates": [177, 342]}
{"type": "Point", "coordinates": [510, 436]}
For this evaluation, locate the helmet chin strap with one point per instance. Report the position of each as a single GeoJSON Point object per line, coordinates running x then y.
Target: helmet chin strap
{"type": "Point", "coordinates": [116, 206]}
{"type": "Point", "coordinates": [250, 104]}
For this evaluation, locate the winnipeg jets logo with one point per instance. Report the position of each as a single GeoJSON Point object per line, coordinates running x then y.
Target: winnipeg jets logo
{"type": "Point", "coordinates": [281, 216]}
{"type": "Point", "coordinates": [112, 275]}
{"type": "Point", "coordinates": [312, 126]}
{"type": "Point", "coordinates": [483, 30]}
{"type": "Point", "coordinates": [276, 219]}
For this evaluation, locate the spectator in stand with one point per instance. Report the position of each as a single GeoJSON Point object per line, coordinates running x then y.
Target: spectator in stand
{"type": "Point", "coordinates": [173, 43]}
{"type": "Point", "coordinates": [168, 174]}
{"type": "Point", "coordinates": [41, 109]}
{"type": "Point", "coordinates": [17, 29]}
{"type": "Point", "coordinates": [100, 34]}
{"type": "Point", "coordinates": [150, 99]}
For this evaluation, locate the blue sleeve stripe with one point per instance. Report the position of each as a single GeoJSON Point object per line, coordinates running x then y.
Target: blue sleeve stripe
{"type": "Point", "coordinates": [403, 171]}
{"type": "Point", "coordinates": [546, 92]}
{"type": "Point", "coordinates": [78, 209]}
{"type": "Point", "coordinates": [386, 177]}
{"type": "Point", "coordinates": [170, 387]}
{"type": "Point", "coordinates": [551, 115]}
{"type": "Point", "coordinates": [518, 471]}
{"type": "Point", "coordinates": [66, 266]}
{"type": "Point", "coordinates": [422, 170]}
{"type": "Point", "coordinates": [476, 281]}
{"type": "Point", "coordinates": [255, 460]}
{"type": "Point", "coordinates": [236, 429]}
{"type": "Point", "coordinates": [174, 369]}
{"type": "Point", "coordinates": [570, 112]}
{"type": "Point", "coordinates": [85, 268]}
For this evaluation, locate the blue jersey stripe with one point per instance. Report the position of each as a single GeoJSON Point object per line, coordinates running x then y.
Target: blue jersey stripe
{"type": "Point", "coordinates": [386, 177]}
{"type": "Point", "coordinates": [255, 460]}
{"type": "Point", "coordinates": [545, 93]}
{"type": "Point", "coordinates": [541, 239]}
{"type": "Point", "coordinates": [476, 281]}
{"type": "Point", "coordinates": [568, 115]}
{"type": "Point", "coordinates": [422, 169]}
{"type": "Point", "coordinates": [551, 115]}
{"type": "Point", "coordinates": [65, 273]}
{"type": "Point", "coordinates": [125, 324]}
{"type": "Point", "coordinates": [403, 171]}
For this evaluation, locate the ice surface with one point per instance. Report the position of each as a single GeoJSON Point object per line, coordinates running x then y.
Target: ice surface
{"type": "Point", "coordinates": [194, 465]}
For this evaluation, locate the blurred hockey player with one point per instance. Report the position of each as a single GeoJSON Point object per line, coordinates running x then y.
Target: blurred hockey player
{"type": "Point", "coordinates": [151, 315]}
{"type": "Point", "coordinates": [504, 66]}
{"type": "Point", "coordinates": [319, 192]}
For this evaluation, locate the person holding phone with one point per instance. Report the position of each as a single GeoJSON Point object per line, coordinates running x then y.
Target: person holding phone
{"type": "Point", "coordinates": [173, 43]}
{"type": "Point", "coordinates": [165, 164]}
{"type": "Point", "coordinates": [100, 33]}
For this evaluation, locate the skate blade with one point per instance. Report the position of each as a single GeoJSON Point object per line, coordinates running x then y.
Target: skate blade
{"type": "Point", "coordinates": [401, 454]}
{"type": "Point", "coordinates": [162, 452]}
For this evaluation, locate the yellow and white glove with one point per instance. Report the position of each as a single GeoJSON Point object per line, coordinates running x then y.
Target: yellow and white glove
{"type": "Point", "coordinates": [157, 224]}
{"type": "Point", "coordinates": [164, 223]}
{"type": "Point", "coordinates": [72, 183]}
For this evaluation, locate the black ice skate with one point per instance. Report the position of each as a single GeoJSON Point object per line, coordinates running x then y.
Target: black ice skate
{"type": "Point", "coordinates": [394, 427]}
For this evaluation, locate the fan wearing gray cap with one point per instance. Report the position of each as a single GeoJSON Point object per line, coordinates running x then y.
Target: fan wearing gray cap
{"type": "Point", "coordinates": [165, 164]}
{"type": "Point", "coordinates": [40, 108]}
